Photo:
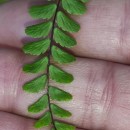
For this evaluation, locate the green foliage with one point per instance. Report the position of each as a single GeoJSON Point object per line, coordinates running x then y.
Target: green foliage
{"type": "Point", "coordinates": [58, 94]}
{"type": "Point", "coordinates": [36, 67]}
{"type": "Point", "coordinates": [39, 105]}
{"type": "Point", "coordinates": [45, 120]}
{"type": "Point", "coordinates": [61, 56]}
{"type": "Point", "coordinates": [44, 12]}
{"type": "Point", "coordinates": [37, 48]}
{"type": "Point", "coordinates": [59, 112]}
{"type": "Point", "coordinates": [64, 39]}
{"type": "Point", "coordinates": [53, 36]}
{"type": "Point", "coordinates": [66, 23]}
{"type": "Point", "coordinates": [84, 1]}
{"type": "Point", "coordinates": [63, 126]}
{"type": "Point", "coordinates": [74, 7]}
{"type": "Point", "coordinates": [59, 75]}
{"type": "Point", "coordinates": [39, 30]}
{"type": "Point", "coordinates": [36, 85]}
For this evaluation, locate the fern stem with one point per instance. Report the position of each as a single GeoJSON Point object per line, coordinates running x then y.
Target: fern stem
{"type": "Point", "coordinates": [49, 62]}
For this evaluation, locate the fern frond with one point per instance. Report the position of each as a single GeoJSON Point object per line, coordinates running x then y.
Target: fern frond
{"type": "Point", "coordinates": [54, 32]}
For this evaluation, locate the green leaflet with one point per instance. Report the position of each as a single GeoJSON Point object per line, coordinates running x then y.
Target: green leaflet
{"type": "Point", "coordinates": [43, 11]}
{"type": "Point", "coordinates": [63, 126]}
{"type": "Point", "coordinates": [84, 1]}
{"type": "Point", "coordinates": [66, 23]}
{"type": "Point", "coordinates": [74, 7]}
{"type": "Point", "coordinates": [59, 75]}
{"type": "Point", "coordinates": [45, 120]}
{"type": "Point", "coordinates": [37, 48]}
{"type": "Point", "coordinates": [36, 67]}
{"type": "Point", "coordinates": [39, 30]}
{"type": "Point", "coordinates": [35, 85]}
{"type": "Point", "coordinates": [59, 95]}
{"type": "Point", "coordinates": [64, 39]}
{"type": "Point", "coordinates": [61, 56]}
{"type": "Point", "coordinates": [59, 112]}
{"type": "Point", "coordinates": [39, 105]}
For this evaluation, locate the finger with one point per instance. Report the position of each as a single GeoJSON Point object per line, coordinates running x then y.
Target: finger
{"type": "Point", "coordinates": [100, 91]}
{"type": "Point", "coordinates": [13, 122]}
{"type": "Point", "coordinates": [104, 30]}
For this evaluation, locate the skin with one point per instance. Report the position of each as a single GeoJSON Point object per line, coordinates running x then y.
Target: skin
{"type": "Point", "coordinates": [101, 88]}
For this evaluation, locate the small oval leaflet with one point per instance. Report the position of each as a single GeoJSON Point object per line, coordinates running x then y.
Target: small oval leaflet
{"type": "Point", "coordinates": [75, 7]}
{"type": "Point", "coordinates": [59, 95]}
{"type": "Point", "coordinates": [36, 67]}
{"type": "Point", "coordinates": [37, 48]}
{"type": "Point", "coordinates": [59, 112]}
{"type": "Point", "coordinates": [59, 75]}
{"type": "Point", "coordinates": [43, 11]}
{"type": "Point", "coordinates": [63, 126]}
{"type": "Point", "coordinates": [45, 120]}
{"type": "Point", "coordinates": [66, 23]}
{"type": "Point", "coordinates": [64, 39]}
{"type": "Point", "coordinates": [61, 56]}
{"type": "Point", "coordinates": [39, 105]}
{"type": "Point", "coordinates": [35, 85]}
{"type": "Point", "coordinates": [39, 30]}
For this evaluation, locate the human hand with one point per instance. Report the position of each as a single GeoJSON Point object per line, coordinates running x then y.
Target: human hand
{"type": "Point", "coordinates": [101, 89]}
